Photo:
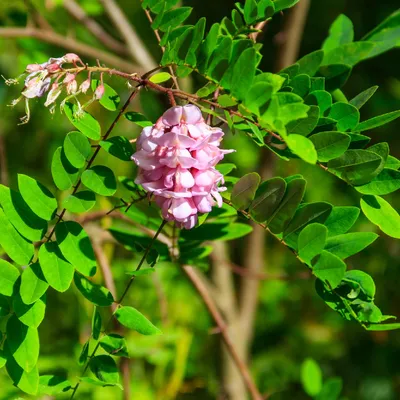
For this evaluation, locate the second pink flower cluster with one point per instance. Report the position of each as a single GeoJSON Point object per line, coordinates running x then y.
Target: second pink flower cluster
{"type": "Point", "coordinates": [177, 158]}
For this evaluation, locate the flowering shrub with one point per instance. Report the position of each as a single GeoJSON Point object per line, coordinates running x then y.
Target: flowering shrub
{"type": "Point", "coordinates": [300, 112]}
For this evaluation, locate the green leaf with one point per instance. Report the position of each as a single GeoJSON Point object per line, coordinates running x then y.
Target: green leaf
{"type": "Point", "coordinates": [348, 244]}
{"type": "Point", "coordinates": [331, 389]}
{"type": "Point", "coordinates": [133, 319]}
{"type": "Point", "coordinates": [244, 190]}
{"type": "Point", "coordinates": [341, 219]}
{"type": "Point", "coordinates": [80, 202]}
{"type": "Point", "coordinates": [110, 99]}
{"type": "Point", "coordinates": [283, 4]}
{"type": "Point", "coordinates": [302, 147]}
{"type": "Point", "coordinates": [115, 344]}
{"type": "Point", "coordinates": [138, 119]}
{"type": "Point", "coordinates": [250, 11]}
{"type": "Point", "coordinates": [363, 280]}
{"type": "Point", "coordinates": [40, 200]}
{"type": "Point", "coordinates": [349, 53]}
{"type": "Point", "coordinates": [382, 214]}
{"type": "Point", "coordinates": [377, 121]}
{"type": "Point", "coordinates": [392, 163]}
{"type": "Point", "coordinates": [96, 324]}
{"type": "Point", "coordinates": [100, 179]}
{"type": "Point", "coordinates": [23, 343]}
{"type": "Point", "coordinates": [330, 145]}
{"type": "Point", "coordinates": [356, 166]}
{"type": "Point", "coordinates": [386, 182]}
{"type": "Point", "coordinates": [311, 377]}
{"type": "Point", "coordinates": [160, 77]}
{"type": "Point", "coordinates": [340, 32]}
{"type": "Point", "coordinates": [118, 146]}
{"type": "Point", "coordinates": [321, 99]}
{"type": "Point", "coordinates": [243, 73]}
{"type": "Point", "coordinates": [76, 247]}
{"type": "Point", "coordinates": [311, 241]}
{"type": "Point", "coordinates": [17, 248]}
{"type": "Point", "coordinates": [310, 63]}
{"type": "Point", "coordinates": [9, 275]}
{"type": "Point", "coordinates": [346, 115]}
{"type": "Point", "coordinates": [53, 385]}
{"type": "Point", "coordinates": [105, 368]}
{"type": "Point", "coordinates": [96, 294]}
{"type": "Point", "coordinates": [383, 327]}
{"type": "Point", "coordinates": [175, 17]}
{"type": "Point", "coordinates": [84, 353]}
{"type": "Point", "coordinates": [363, 97]}
{"type": "Point", "coordinates": [219, 60]}
{"type": "Point", "coordinates": [284, 213]}
{"type": "Point", "coordinates": [305, 126]}
{"type": "Point", "coordinates": [85, 123]}
{"type": "Point", "coordinates": [225, 168]}
{"type": "Point", "coordinates": [31, 315]}
{"type": "Point", "coordinates": [265, 9]}
{"type": "Point", "coordinates": [335, 75]}
{"type": "Point", "coordinates": [33, 284]}
{"type": "Point", "coordinates": [267, 198]}
{"type": "Point", "coordinates": [63, 173]}
{"type": "Point", "coordinates": [217, 231]}
{"type": "Point", "coordinates": [25, 221]}
{"type": "Point", "coordinates": [329, 268]}
{"type": "Point", "coordinates": [76, 148]}
{"type": "Point", "coordinates": [56, 269]}
{"type": "Point", "coordinates": [276, 81]}
{"type": "Point", "coordinates": [382, 150]}
{"type": "Point", "coordinates": [28, 382]}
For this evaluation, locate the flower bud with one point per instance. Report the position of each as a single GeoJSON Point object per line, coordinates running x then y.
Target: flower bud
{"type": "Point", "coordinates": [33, 68]}
{"type": "Point", "coordinates": [54, 92]}
{"type": "Point", "coordinates": [72, 87]}
{"type": "Point", "coordinates": [99, 92]}
{"type": "Point", "coordinates": [85, 85]}
{"type": "Point", "coordinates": [71, 58]}
{"type": "Point", "coordinates": [52, 68]}
{"type": "Point", "coordinates": [69, 78]}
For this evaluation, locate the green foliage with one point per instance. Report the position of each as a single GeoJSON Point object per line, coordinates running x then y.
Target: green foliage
{"type": "Point", "coordinates": [100, 179]}
{"type": "Point", "coordinates": [64, 174]}
{"type": "Point", "coordinates": [76, 149]}
{"type": "Point", "coordinates": [133, 319]}
{"type": "Point", "coordinates": [80, 202]}
{"type": "Point", "coordinates": [105, 368]}
{"type": "Point", "coordinates": [115, 344]}
{"type": "Point", "coordinates": [311, 377]}
{"type": "Point", "coordinates": [110, 99]}
{"type": "Point", "coordinates": [33, 284]}
{"type": "Point", "coordinates": [9, 275]}
{"type": "Point", "coordinates": [96, 294]}
{"type": "Point", "coordinates": [85, 123]}
{"type": "Point", "coordinates": [119, 147]}
{"type": "Point", "coordinates": [330, 145]}
{"type": "Point", "coordinates": [244, 190]}
{"type": "Point", "coordinates": [311, 241]}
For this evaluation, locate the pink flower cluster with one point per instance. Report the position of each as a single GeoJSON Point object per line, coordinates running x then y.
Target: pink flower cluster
{"type": "Point", "coordinates": [177, 158]}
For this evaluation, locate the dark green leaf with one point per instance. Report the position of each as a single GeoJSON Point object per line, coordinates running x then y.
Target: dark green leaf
{"type": "Point", "coordinates": [300, 84]}
{"type": "Point", "coordinates": [340, 32]}
{"type": "Point", "coordinates": [40, 200]}
{"type": "Point", "coordinates": [217, 231]}
{"type": "Point", "coordinates": [304, 126]}
{"type": "Point", "coordinates": [175, 17]}
{"type": "Point", "coordinates": [335, 75]}
{"type": "Point", "coordinates": [310, 63]}
{"type": "Point", "coordinates": [311, 241]}
{"type": "Point", "coordinates": [346, 115]}
{"type": "Point", "coordinates": [382, 214]}
{"type": "Point", "coordinates": [80, 202]}
{"type": "Point", "coordinates": [386, 182]}
{"type": "Point", "coordinates": [9, 275]}
{"type": "Point", "coordinates": [348, 244]}
{"type": "Point", "coordinates": [31, 315]}
{"type": "Point", "coordinates": [33, 284]}
{"type": "Point", "coordinates": [283, 4]}
{"type": "Point", "coordinates": [329, 268]}
{"type": "Point", "coordinates": [96, 324]}
{"type": "Point", "coordinates": [28, 382]}
{"type": "Point", "coordinates": [244, 190]}
{"type": "Point", "coordinates": [363, 97]}
{"type": "Point", "coordinates": [115, 344]}
{"type": "Point", "coordinates": [56, 269]}
{"type": "Point", "coordinates": [63, 173]}
{"type": "Point", "coordinates": [96, 294]}
{"type": "Point", "coordinates": [76, 247]}
{"type": "Point", "coordinates": [105, 368]}
{"type": "Point", "coordinates": [330, 145]}
{"type": "Point", "coordinates": [76, 148]}
{"type": "Point", "coordinates": [100, 179]}
{"type": "Point", "coordinates": [84, 353]}
{"type": "Point", "coordinates": [133, 319]}
{"type": "Point", "coordinates": [138, 119]}
{"type": "Point", "coordinates": [85, 123]}
{"type": "Point", "coordinates": [341, 219]}
{"type": "Point", "coordinates": [118, 146]}
{"type": "Point", "coordinates": [331, 389]}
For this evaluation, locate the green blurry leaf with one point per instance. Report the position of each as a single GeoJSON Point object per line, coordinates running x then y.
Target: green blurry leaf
{"type": "Point", "coordinates": [311, 241]}
{"type": "Point", "coordinates": [133, 319]}
{"type": "Point", "coordinates": [85, 123]}
{"type": "Point", "coordinates": [64, 174]}
{"type": "Point", "coordinates": [31, 315]}
{"type": "Point", "coordinates": [84, 353]}
{"type": "Point", "coordinates": [346, 115]}
{"type": "Point", "coordinates": [356, 166]}
{"type": "Point", "coordinates": [348, 244]}
{"type": "Point", "coordinates": [175, 17]}
{"type": "Point", "coordinates": [244, 190]}
{"type": "Point", "coordinates": [138, 119]}
{"type": "Point", "coordinates": [33, 284]}
{"type": "Point", "coordinates": [9, 275]}
{"type": "Point", "coordinates": [377, 121]}
{"type": "Point", "coordinates": [105, 368]}
{"type": "Point", "coordinates": [56, 269]}
{"type": "Point", "coordinates": [305, 126]}
{"type": "Point", "coordinates": [341, 219]}
{"type": "Point", "coordinates": [386, 182]}
{"type": "Point", "coordinates": [267, 198]}
{"type": "Point", "coordinates": [335, 75]}
{"type": "Point", "coordinates": [363, 97]}
{"type": "Point", "coordinates": [28, 382]}
{"type": "Point", "coordinates": [110, 99]}
{"type": "Point", "coordinates": [100, 179]}
{"type": "Point", "coordinates": [76, 148]}
{"type": "Point", "coordinates": [217, 231]}
{"type": "Point", "coordinates": [331, 389]}
{"type": "Point", "coordinates": [53, 385]}
{"type": "Point", "coordinates": [225, 168]}
{"type": "Point", "coordinates": [349, 53]}
{"type": "Point", "coordinates": [115, 344]}
{"type": "Point", "coordinates": [311, 377]}
{"type": "Point", "coordinates": [80, 202]}
{"type": "Point", "coordinates": [284, 213]}
{"type": "Point", "coordinates": [283, 4]}
{"type": "Point", "coordinates": [382, 214]}
{"type": "Point", "coordinates": [160, 77]}
{"type": "Point", "coordinates": [17, 248]}
{"type": "Point", "coordinates": [340, 32]}
{"type": "Point", "coordinates": [25, 221]}
{"type": "Point", "coordinates": [96, 324]}
{"type": "Point", "coordinates": [363, 280]}
{"type": "Point", "coordinates": [383, 327]}
{"type": "Point", "coordinates": [330, 145]}
{"type": "Point", "coordinates": [392, 163]}
{"type": "Point", "coordinates": [310, 63]}
{"type": "Point", "coordinates": [302, 147]}
{"type": "Point", "coordinates": [118, 146]}
{"type": "Point", "coordinates": [23, 343]}
{"type": "Point", "coordinates": [40, 200]}
{"type": "Point", "coordinates": [76, 247]}
{"type": "Point", "coordinates": [329, 268]}
{"type": "Point", "coordinates": [96, 294]}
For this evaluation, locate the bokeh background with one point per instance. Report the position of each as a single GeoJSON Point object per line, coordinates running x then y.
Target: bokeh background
{"type": "Point", "coordinates": [291, 321]}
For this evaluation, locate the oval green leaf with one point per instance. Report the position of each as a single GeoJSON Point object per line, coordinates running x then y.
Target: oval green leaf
{"type": "Point", "coordinates": [80, 202]}
{"type": "Point", "coordinates": [133, 319]}
{"type": "Point", "coordinates": [100, 179]}
{"type": "Point", "coordinates": [76, 148]}
{"type": "Point", "coordinates": [96, 294]}
{"type": "Point", "coordinates": [33, 284]}
{"type": "Point", "coordinates": [64, 174]}
{"type": "Point", "coordinates": [85, 123]}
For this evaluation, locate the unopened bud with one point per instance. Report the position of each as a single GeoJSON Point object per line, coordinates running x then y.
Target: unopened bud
{"type": "Point", "coordinates": [53, 68]}
{"type": "Point", "coordinates": [69, 78]}
{"type": "Point", "coordinates": [54, 92]}
{"type": "Point", "coordinates": [72, 87]}
{"type": "Point", "coordinates": [33, 68]}
{"type": "Point", "coordinates": [71, 58]}
{"type": "Point", "coordinates": [99, 92]}
{"type": "Point", "coordinates": [85, 85]}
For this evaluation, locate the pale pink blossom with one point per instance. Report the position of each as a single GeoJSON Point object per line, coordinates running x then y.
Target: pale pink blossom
{"type": "Point", "coordinates": [177, 158]}
{"type": "Point", "coordinates": [99, 92]}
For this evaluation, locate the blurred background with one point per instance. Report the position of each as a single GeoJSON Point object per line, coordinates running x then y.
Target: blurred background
{"type": "Point", "coordinates": [283, 321]}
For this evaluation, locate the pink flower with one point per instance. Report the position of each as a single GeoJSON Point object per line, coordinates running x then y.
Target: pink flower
{"type": "Point", "coordinates": [85, 85]}
{"type": "Point", "coordinates": [99, 92]}
{"type": "Point", "coordinates": [177, 158]}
